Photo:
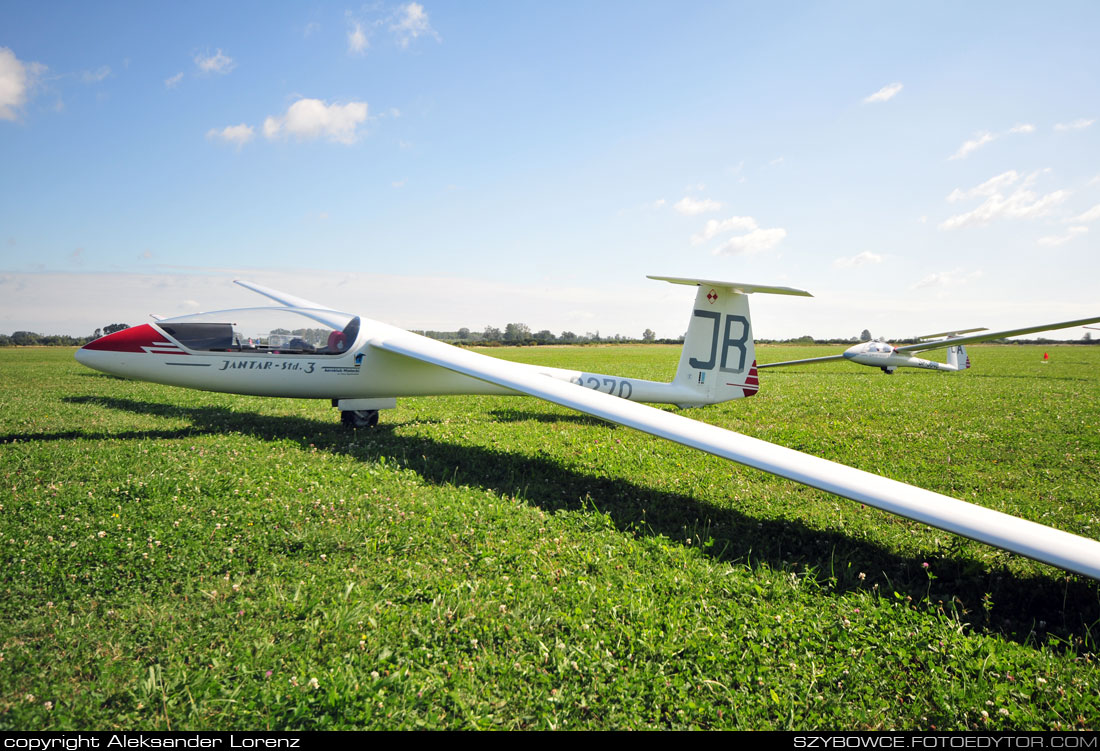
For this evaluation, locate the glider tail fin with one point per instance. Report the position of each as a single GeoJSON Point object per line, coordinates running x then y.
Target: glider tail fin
{"type": "Point", "coordinates": [957, 358]}
{"type": "Point", "coordinates": [718, 361]}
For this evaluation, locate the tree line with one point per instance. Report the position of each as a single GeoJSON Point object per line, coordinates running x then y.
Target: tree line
{"type": "Point", "coordinates": [520, 334]}
{"type": "Point", "coordinates": [33, 339]}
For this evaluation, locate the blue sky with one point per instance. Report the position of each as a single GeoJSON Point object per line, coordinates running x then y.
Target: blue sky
{"type": "Point", "coordinates": [452, 164]}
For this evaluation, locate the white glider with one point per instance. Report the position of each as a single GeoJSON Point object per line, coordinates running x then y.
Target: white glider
{"type": "Point", "coordinates": [364, 366]}
{"type": "Point", "coordinates": [888, 358]}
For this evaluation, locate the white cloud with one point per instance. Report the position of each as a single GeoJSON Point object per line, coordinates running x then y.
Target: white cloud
{"type": "Point", "coordinates": [16, 80]}
{"type": "Point", "coordinates": [860, 259]}
{"type": "Point", "coordinates": [756, 241]}
{"type": "Point", "coordinates": [173, 81]}
{"type": "Point", "coordinates": [951, 278]}
{"type": "Point", "coordinates": [715, 227]}
{"type": "Point", "coordinates": [659, 203]}
{"type": "Point", "coordinates": [1091, 215]}
{"type": "Point", "coordinates": [357, 39]}
{"type": "Point", "coordinates": [308, 119]}
{"type": "Point", "coordinates": [884, 94]}
{"type": "Point", "coordinates": [980, 139]}
{"type": "Point", "coordinates": [1053, 240]}
{"type": "Point", "coordinates": [1022, 128]}
{"type": "Point", "coordinates": [1022, 203]}
{"type": "Point", "coordinates": [238, 135]}
{"type": "Point", "coordinates": [97, 75]}
{"type": "Point", "coordinates": [216, 63]}
{"type": "Point", "coordinates": [691, 207]}
{"type": "Point", "coordinates": [412, 22]}
{"type": "Point", "coordinates": [311, 28]}
{"type": "Point", "coordinates": [1078, 124]}
{"type": "Point", "coordinates": [989, 187]}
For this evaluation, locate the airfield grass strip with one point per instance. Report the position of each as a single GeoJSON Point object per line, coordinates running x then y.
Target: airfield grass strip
{"type": "Point", "coordinates": [190, 560]}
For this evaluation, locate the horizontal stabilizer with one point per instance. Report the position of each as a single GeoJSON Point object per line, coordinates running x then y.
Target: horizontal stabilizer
{"type": "Point", "coordinates": [737, 287]}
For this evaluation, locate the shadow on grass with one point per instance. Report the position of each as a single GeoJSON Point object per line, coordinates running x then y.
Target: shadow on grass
{"type": "Point", "coordinates": [1059, 611]}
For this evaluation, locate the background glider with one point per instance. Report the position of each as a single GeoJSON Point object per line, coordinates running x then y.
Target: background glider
{"type": "Point", "coordinates": [889, 358]}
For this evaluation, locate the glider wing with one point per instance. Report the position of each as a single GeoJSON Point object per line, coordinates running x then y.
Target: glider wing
{"type": "Point", "coordinates": [988, 335]}
{"type": "Point", "coordinates": [799, 362]}
{"type": "Point", "coordinates": [1027, 538]}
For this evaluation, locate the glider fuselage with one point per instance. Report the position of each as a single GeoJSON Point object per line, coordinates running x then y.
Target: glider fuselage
{"type": "Point", "coordinates": [149, 353]}
{"type": "Point", "coordinates": [883, 355]}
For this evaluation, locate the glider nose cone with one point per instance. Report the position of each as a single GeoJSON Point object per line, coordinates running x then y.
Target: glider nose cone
{"type": "Point", "coordinates": [111, 353]}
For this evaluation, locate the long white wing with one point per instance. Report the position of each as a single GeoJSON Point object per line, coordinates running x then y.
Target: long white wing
{"type": "Point", "coordinates": [1027, 538]}
{"type": "Point", "coordinates": [984, 337]}
{"type": "Point", "coordinates": [282, 298]}
{"type": "Point", "coordinates": [799, 362]}
{"type": "Point", "coordinates": [308, 308]}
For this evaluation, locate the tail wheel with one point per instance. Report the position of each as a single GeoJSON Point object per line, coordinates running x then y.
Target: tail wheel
{"type": "Point", "coordinates": [359, 418]}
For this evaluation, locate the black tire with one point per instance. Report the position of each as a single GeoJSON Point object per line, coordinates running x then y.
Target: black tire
{"type": "Point", "coordinates": [359, 418]}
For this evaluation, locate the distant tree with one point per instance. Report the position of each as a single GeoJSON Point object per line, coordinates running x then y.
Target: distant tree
{"type": "Point", "coordinates": [865, 336]}
{"type": "Point", "coordinates": [648, 335]}
{"type": "Point", "coordinates": [568, 336]}
{"type": "Point", "coordinates": [1087, 337]}
{"type": "Point", "coordinates": [544, 336]}
{"type": "Point", "coordinates": [112, 328]}
{"type": "Point", "coordinates": [463, 333]}
{"type": "Point", "coordinates": [25, 338]}
{"type": "Point", "coordinates": [491, 334]}
{"type": "Point", "coordinates": [98, 333]}
{"type": "Point", "coordinates": [517, 332]}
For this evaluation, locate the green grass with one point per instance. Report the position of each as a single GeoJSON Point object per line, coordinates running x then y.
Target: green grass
{"type": "Point", "coordinates": [187, 560]}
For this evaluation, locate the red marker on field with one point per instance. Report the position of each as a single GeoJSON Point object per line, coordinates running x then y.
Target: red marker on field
{"type": "Point", "coordinates": [1046, 358]}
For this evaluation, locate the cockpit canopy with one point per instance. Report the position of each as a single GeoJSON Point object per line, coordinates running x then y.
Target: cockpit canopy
{"type": "Point", "coordinates": [281, 331]}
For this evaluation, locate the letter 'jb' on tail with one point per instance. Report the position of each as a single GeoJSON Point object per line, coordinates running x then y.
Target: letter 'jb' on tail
{"type": "Point", "coordinates": [718, 361]}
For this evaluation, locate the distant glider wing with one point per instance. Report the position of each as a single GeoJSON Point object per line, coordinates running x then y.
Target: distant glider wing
{"type": "Point", "coordinates": [988, 335]}
{"type": "Point", "coordinates": [799, 362]}
{"type": "Point", "coordinates": [1027, 538]}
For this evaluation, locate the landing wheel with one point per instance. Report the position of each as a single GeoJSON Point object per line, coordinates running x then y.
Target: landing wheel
{"type": "Point", "coordinates": [359, 418]}
{"type": "Point", "coordinates": [888, 371]}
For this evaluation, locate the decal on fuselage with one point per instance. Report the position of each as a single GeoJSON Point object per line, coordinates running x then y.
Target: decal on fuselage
{"type": "Point", "coordinates": [615, 386]}
{"type": "Point", "coordinates": [276, 365]}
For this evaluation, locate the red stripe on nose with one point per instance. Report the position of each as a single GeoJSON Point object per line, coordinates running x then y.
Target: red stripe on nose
{"type": "Point", "coordinates": [128, 340]}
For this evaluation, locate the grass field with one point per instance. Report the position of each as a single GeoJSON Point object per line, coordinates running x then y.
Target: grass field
{"type": "Point", "coordinates": [188, 560]}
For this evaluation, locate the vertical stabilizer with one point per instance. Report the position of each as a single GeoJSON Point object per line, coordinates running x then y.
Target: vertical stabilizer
{"type": "Point", "coordinates": [957, 358]}
{"type": "Point", "coordinates": [718, 361]}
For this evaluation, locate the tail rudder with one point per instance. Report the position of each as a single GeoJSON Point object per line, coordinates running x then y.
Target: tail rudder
{"type": "Point", "coordinates": [957, 358]}
{"type": "Point", "coordinates": [718, 361]}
